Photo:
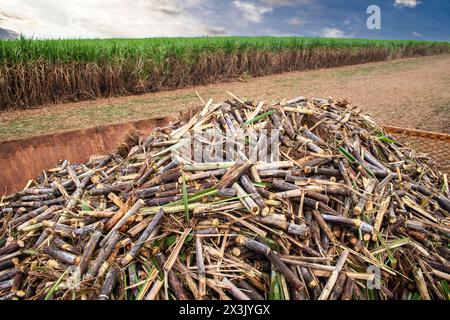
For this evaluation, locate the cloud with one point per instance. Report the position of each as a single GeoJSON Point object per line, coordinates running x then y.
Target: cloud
{"type": "Point", "coordinates": [254, 11]}
{"type": "Point", "coordinates": [216, 31]}
{"type": "Point", "coordinates": [407, 3]}
{"type": "Point", "coordinates": [416, 34]}
{"type": "Point", "coordinates": [281, 3]}
{"type": "Point", "coordinates": [332, 33]}
{"type": "Point", "coordinates": [251, 11]}
{"type": "Point", "coordinates": [296, 21]}
{"type": "Point", "coordinates": [104, 18]}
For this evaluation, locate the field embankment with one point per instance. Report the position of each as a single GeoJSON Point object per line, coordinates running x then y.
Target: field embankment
{"type": "Point", "coordinates": [24, 159]}
{"type": "Point", "coordinates": [37, 72]}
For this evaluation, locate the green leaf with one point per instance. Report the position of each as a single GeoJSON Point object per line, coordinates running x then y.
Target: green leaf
{"type": "Point", "coordinates": [347, 155]}
{"type": "Point", "coordinates": [156, 243]}
{"type": "Point", "coordinates": [260, 184]}
{"type": "Point", "coordinates": [414, 296]}
{"type": "Point", "coordinates": [390, 253]}
{"type": "Point", "coordinates": [30, 252]}
{"type": "Point", "coordinates": [272, 244]}
{"type": "Point", "coordinates": [352, 160]}
{"type": "Point", "coordinates": [85, 206]}
{"type": "Point", "coordinates": [275, 287]}
{"type": "Point", "coordinates": [445, 289]}
{"type": "Point", "coordinates": [204, 193]}
{"type": "Point", "coordinates": [55, 286]}
{"type": "Point", "coordinates": [386, 139]}
{"type": "Point", "coordinates": [142, 287]}
{"type": "Point", "coordinates": [368, 170]}
{"type": "Point", "coordinates": [392, 260]}
{"type": "Point", "coordinates": [194, 197]}
{"type": "Point", "coordinates": [229, 199]}
{"type": "Point", "coordinates": [125, 282]}
{"type": "Point", "coordinates": [261, 116]}
{"type": "Point", "coordinates": [170, 240]}
{"type": "Point", "coordinates": [371, 294]}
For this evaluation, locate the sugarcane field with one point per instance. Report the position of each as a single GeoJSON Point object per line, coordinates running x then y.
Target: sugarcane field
{"type": "Point", "coordinates": [144, 162]}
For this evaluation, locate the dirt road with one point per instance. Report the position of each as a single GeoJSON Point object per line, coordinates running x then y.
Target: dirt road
{"type": "Point", "coordinates": [412, 93]}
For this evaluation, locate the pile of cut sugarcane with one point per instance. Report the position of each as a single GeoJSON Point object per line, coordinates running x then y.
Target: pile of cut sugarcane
{"type": "Point", "coordinates": [338, 211]}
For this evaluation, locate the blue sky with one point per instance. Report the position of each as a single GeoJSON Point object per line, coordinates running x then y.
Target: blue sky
{"type": "Point", "coordinates": [400, 19]}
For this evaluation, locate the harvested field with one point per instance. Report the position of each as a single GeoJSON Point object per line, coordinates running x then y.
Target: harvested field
{"type": "Point", "coordinates": [393, 92]}
{"type": "Point", "coordinates": [314, 201]}
{"type": "Point", "coordinates": [36, 72]}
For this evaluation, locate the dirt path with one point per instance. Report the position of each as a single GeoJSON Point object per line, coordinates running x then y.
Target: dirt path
{"type": "Point", "coordinates": [410, 93]}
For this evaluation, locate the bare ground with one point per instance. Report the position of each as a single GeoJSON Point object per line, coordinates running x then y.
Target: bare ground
{"type": "Point", "coordinates": [412, 93]}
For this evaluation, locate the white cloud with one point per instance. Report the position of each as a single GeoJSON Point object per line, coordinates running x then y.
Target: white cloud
{"type": "Point", "coordinates": [251, 11]}
{"type": "Point", "coordinates": [296, 21]}
{"type": "Point", "coordinates": [416, 34]}
{"type": "Point", "coordinates": [332, 33]}
{"type": "Point", "coordinates": [276, 3]}
{"type": "Point", "coordinates": [254, 11]}
{"type": "Point", "coordinates": [103, 18]}
{"type": "Point", "coordinates": [407, 3]}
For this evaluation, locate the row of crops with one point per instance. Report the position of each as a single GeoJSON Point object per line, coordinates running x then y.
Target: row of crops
{"type": "Point", "coordinates": [34, 72]}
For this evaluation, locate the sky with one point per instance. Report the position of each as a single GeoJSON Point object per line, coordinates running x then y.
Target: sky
{"type": "Point", "coordinates": [400, 19]}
